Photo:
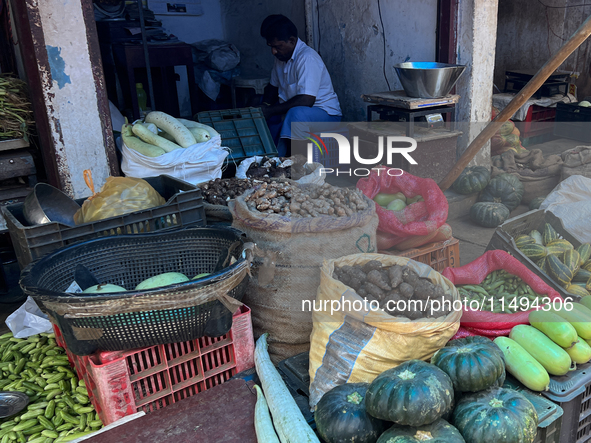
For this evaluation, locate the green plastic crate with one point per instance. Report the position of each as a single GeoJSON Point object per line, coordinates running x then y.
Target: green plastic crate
{"type": "Point", "coordinates": [243, 130]}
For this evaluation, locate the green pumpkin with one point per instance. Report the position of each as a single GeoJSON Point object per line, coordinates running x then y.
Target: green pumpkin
{"type": "Point", "coordinates": [341, 416]}
{"type": "Point", "coordinates": [496, 415]}
{"type": "Point", "coordinates": [501, 380]}
{"type": "Point", "coordinates": [414, 394]}
{"type": "Point", "coordinates": [504, 188]}
{"type": "Point", "coordinates": [472, 363]}
{"type": "Point", "coordinates": [536, 202]}
{"type": "Point", "coordinates": [439, 431]}
{"type": "Point", "coordinates": [489, 215]}
{"type": "Point", "coordinates": [472, 179]}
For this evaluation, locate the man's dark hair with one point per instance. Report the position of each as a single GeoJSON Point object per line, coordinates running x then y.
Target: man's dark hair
{"type": "Point", "coordinates": [278, 26]}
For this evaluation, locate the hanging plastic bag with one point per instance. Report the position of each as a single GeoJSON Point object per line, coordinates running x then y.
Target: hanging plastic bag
{"type": "Point", "coordinates": [28, 320]}
{"type": "Point", "coordinates": [119, 195]}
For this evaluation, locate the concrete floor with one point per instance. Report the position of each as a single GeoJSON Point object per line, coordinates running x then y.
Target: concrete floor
{"type": "Point", "coordinates": [473, 238]}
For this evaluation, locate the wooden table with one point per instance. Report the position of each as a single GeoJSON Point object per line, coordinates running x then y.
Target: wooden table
{"type": "Point", "coordinates": [399, 99]}
{"type": "Point", "coordinates": [396, 105]}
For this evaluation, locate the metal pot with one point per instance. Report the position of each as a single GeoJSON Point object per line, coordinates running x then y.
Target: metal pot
{"type": "Point", "coordinates": [47, 204]}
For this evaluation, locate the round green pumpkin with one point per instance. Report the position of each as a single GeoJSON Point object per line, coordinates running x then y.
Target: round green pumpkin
{"type": "Point", "coordinates": [496, 415]}
{"type": "Point", "coordinates": [536, 202]}
{"type": "Point", "coordinates": [489, 215]}
{"type": "Point", "coordinates": [414, 394]}
{"type": "Point", "coordinates": [504, 188]}
{"type": "Point", "coordinates": [439, 431]}
{"type": "Point", "coordinates": [341, 416]}
{"type": "Point", "coordinates": [472, 179]}
{"type": "Point", "coordinates": [472, 363]}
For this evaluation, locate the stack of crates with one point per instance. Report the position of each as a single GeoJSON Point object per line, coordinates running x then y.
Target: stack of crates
{"type": "Point", "coordinates": [121, 383]}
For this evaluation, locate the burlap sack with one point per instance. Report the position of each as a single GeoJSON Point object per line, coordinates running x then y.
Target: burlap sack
{"type": "Point", "coordinates": [221, 213]}
{"type": "Point", "coordinates": [356, 345]}
{"type": "Point", "coordinates": [539, 175]}
{"type": "Point", "coordinates": [287, 267]}
{"type": "Point", "coordinates": [577, 161]}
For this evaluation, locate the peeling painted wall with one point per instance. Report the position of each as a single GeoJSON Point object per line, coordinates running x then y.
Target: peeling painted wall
{"type": "Point", "coordinates": [477, 26]}
{"type": "Point", "coordinates": [70, 94]}
{"type": "Point", "coordinates": [529, 34]}
{"type": "Point", "coordinates": [242, 23]}
{"type": "Point", "coordinates": [352, 45]}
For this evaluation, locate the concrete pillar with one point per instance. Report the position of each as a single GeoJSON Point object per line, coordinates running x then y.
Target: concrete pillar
{"type": "Point", "coordinates": [67, 86]}
{"type": "Point", "coordinates": [477, 31]}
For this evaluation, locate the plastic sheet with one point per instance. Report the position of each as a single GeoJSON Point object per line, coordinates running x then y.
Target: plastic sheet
{"type": "Point", "coordinates": [571, 202]}
{"type": "Point", "coordinates": [417, 219]}
{"type": "Point", "coordinates": [28, 320]}
{"type": "Point", "coordinates": [484, 322]}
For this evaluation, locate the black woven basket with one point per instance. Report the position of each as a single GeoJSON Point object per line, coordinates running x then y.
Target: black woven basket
{"type": "Point", "coordinates": [135, 319]}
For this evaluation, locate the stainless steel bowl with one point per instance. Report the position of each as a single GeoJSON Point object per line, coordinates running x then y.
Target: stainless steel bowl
{"type": "Point", "coordinates": [47, 204]}
{"type": "Point", "coordinates": [428, 79]}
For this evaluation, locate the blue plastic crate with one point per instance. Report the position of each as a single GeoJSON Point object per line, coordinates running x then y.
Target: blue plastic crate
{"type": "Point", "coordinates": [243, 130]}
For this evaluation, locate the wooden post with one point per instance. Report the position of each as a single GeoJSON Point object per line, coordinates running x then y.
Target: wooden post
{"type": "Point", "coordinates": [520, 98]}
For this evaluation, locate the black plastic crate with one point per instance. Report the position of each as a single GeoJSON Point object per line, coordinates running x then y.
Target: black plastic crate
{"type": "Point", "coordinates": [184, 207]}
{"type": "Point", "coordinates": [572, 392]}
{"type": "Point", "coordinates": [549, 414]}
{"type": "Point", "coordinates": [505, 235]}
{"type": "Point", "coordinates": [573, 121]}
{"type": "Point", "coordinates": [243, 130]}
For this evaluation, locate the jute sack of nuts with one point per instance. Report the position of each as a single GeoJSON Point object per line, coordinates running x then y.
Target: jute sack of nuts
{"type": "Point", "coordinates": [352, 343]}
{"type": "Point", "coordinates": [290, 250]}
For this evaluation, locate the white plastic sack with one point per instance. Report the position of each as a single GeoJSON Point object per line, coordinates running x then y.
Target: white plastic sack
{"type": "Point", "coordinates": [198, 163]}
{"type": "Point", "coordinates": [571, 202]}
{"type": "Point", "coordinates": [217, 54]}
{"type": "Point", "coordinates": [28, 320]}
{"type": "Point", "coordinates": [312, 176]}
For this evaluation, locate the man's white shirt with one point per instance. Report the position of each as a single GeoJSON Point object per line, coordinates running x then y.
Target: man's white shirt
{"type": "Point", "coordinates": [305, 73]}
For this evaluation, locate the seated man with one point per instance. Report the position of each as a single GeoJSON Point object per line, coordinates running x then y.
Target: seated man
{"type": "Point", "coordinates": [300, 89]}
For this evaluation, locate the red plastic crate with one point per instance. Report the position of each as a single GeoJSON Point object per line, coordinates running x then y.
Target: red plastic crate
{"type": "Point", "coordinates": [438, 255]}
{"type": "Point", "coordinates": [538, 120]}
{"type": "Point", "coordinates": [124, 382]}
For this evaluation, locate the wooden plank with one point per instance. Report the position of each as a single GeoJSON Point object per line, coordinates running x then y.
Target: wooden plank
{"type": "Point", "coordinates": [16, 164]}
{"type": "Point", "coordinates": [17, 143]}
{"type": "Point", "coordinates": [399, 99]}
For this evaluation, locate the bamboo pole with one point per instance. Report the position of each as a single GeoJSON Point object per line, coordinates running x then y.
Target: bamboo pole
{"type": "Point", "coordinates": [520, 98]}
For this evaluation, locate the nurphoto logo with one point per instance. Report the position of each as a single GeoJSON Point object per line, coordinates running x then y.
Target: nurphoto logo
{"type": "Point", "coordinates": [386, 148]}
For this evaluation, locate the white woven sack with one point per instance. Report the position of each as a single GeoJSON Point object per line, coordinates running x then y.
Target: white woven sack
{"type": "Point", "coordinates": [198, 163]}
